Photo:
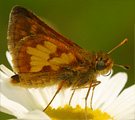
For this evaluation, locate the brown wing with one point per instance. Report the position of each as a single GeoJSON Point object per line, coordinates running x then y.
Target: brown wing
{"type": "Point", "coordinates": [35, 47]}
{"type": "Point", "coordinates": [25, 23]}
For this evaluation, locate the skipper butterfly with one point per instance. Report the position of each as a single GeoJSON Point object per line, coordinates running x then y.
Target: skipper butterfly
{"type": "Point", "coordinates": [43, 57]}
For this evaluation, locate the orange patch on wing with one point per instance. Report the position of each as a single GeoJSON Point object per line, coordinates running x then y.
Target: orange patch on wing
{"type": "Point", "coordinates": [63, 59]}
{"type": "Point", "coordinates": [39, 53]}
{"type": "Point", "coordinates": [33, 29]}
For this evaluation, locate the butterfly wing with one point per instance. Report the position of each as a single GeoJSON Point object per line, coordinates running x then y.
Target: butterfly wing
{"type": "Point", "coordinates": [39, 52]}
{"type": "Point", "coordinates": [25, 23]}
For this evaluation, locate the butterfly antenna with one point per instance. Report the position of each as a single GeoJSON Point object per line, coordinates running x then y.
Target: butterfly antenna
{"type": "Point", "coordinates": [126, 67]}
{"type": "Point", "coordinates": [123, 42]}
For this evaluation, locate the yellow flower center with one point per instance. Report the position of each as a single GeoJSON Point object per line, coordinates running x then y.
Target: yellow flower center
{"type": "Point", "coordinates": [69, 113]}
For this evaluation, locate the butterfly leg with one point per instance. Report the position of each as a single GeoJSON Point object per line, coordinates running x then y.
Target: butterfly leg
{"type": "Point", "coordinates": [71, 96]}
{"type": "Point", "coordinates": [95, 83]}
{"type": "Point", "coordinates": [86, 99]}
{"type": "Point", "coordinates": [59, 88]}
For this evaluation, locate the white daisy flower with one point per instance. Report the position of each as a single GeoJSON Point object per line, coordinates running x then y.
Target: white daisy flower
{"type": "Point", "coordinates": [108, 102]}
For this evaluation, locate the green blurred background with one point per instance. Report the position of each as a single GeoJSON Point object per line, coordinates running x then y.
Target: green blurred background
{"type": "Point", "coordinates": [94, 25]}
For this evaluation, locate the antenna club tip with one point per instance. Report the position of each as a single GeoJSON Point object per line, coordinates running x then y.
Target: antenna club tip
{"type": "Point", "coordinates": [124, 41]}
{"type": "Point", "coordinates": [127, 67]}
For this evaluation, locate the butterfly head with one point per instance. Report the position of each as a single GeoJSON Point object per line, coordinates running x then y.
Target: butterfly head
{"type": "Point", "coordinates": [104, 63]}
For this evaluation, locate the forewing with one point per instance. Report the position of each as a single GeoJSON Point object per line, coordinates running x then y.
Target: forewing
{"type": "Point", "coordinates": [25, 23]}
{"type": "Point", "coordinates": [36, 47]}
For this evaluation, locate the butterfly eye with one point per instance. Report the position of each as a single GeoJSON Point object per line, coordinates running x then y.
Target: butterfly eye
{"type": "Point", "coordinates": [100, 65]}
{"type": "Point", "coordinates": [101, 58]}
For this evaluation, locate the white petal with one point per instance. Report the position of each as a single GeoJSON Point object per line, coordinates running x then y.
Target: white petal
{"type": "Point", "coordinates": [79, 97]}
{"type": "Point", "coordinates": [44, 96]}
{"type": "Point", "coordinates": [6, 70]}
{"type": "Point", "coordinates": [66, 94]}
{"type": "Point", "coordinates": [109, 91]}
{"type": "Point", "coordinates": [35, 115]}
{"type": "Point", "coordinates": [124, 105]}
{"type": "Point", "coordinates": [38, 97]}
{"type": "Point", "coordinates": [3, 76]}
{"type": "Point", "coordinates": [5, 110]}
{"type": "Point", "coordinates": [18, 94]}
{"type": "Point", "coordinates": [12, 107]}
{"type": "Point", "coordinates": [9, 57]}
{"type": "Point", "coordinates": [50, 91]}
